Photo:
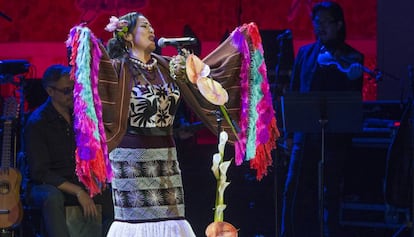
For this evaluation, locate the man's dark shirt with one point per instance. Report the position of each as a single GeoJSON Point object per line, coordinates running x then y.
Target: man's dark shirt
{"type": "Point", "coordinates": [50, 147]}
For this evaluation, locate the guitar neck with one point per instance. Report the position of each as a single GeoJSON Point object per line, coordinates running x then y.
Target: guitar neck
{"type": "Point", "coordinates": [6, 152]}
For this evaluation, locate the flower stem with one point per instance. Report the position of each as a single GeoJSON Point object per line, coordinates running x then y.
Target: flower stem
{"type": "Point", "coordinates": [223, 110]}
{"type": "Point", "coordinates": [218, 213]}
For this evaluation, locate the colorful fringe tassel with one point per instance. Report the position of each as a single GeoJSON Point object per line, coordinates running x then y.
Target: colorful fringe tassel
{"type": "Point", "coordinates": [92, 163]}
{"type": "Point", "coordinates": [257, 117]}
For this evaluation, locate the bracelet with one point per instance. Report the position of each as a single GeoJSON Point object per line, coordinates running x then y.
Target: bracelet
{"type": "Point", "coordinates": [79, 193]}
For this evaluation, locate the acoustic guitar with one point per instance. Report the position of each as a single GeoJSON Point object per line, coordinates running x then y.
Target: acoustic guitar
{"type": "Point", "coordinates": [11, 211]}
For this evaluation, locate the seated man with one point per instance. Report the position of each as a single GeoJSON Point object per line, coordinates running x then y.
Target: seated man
{"type": "Point", "coordinates": [49, 143]}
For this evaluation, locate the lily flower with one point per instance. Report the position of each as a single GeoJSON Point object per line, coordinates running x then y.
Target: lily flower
{"type": "Point", "coordinates": [224, 137]}
{"type": "Point", "coordinates": [222, 188]}
{"type": "Point", "coordinates": [219, 169]}
{"type": "Point", "coordinates": [223, 169]}
{"type": "Point", "coordinates": [215, 166]}
{"type": "Point", "coordinates": [197, 73]}
{"type": "Point", "coordinates": [212, 91]}
{"type": "Point", "coordinates": [195, 68]}
{"type": "Point", "coordinates": [222, 142]}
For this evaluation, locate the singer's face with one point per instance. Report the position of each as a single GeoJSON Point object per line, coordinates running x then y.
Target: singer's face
{"type": "Point", "coordinates": [144, 38]}
{"type": "Point", "coordinates": [326, 27]}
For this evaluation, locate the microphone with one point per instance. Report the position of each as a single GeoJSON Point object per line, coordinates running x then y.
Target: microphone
{"type": "Point", "coordinates": [287, 34]}
{"type": "Point", "coordinates": [177, 42]}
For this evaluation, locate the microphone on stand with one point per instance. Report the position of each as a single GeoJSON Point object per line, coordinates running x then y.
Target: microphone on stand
{"type": "Point", "coordinates": [176, 42]}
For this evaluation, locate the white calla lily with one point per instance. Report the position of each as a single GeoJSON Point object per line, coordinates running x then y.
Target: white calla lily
{"type": "Point", "coordinates": [221, 148]}
{"type": "Point", "coordinates": [215, 165]}
{"type": "Point", "coordinates": [222, 142]}
{"type": "Point", "coordinates": [222, 188]}
{"type": "Point", "coordinates": [223, 137]}
{"type": "Point", "coordinates": [219, 169]}
{"type": "Point", "coordinates": [223, 169]}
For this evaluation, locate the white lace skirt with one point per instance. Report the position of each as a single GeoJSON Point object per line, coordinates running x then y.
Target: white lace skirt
{"type": "Point", "coordinates": [172, 228]}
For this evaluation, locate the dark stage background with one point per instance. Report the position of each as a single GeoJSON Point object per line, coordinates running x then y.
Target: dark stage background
{"type": "Point", "coordinates": [35, 30]}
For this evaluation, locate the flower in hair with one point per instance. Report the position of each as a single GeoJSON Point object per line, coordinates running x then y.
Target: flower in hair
{"type": "Point", "coordinates": [120, 26]}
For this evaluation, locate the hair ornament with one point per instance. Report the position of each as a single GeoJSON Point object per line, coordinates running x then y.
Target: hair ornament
{"type": "Point", "coordinates": [116, 26]}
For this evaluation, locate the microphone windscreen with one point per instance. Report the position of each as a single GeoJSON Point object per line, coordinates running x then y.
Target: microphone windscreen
{"type": "Point", "coordinates": [161, 42]}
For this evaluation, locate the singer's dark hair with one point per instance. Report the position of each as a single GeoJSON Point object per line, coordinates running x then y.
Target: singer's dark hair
{"type": "Point", "coordinates": [117, 46]}
{"type": "Point", "coordinates": [335, 10]}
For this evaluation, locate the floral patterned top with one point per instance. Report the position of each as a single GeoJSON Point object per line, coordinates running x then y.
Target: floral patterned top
{"type": "Point", "coordinates": [153, 105]}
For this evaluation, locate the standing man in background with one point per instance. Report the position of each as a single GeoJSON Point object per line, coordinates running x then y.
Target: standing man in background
{"type": "Point", "coordinates": [339, 70]}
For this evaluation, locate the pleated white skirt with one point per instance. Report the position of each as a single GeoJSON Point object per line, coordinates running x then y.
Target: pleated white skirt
{"type": "Point", "coordinates": [171, 228]}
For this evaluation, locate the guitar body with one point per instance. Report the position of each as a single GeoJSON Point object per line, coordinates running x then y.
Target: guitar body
{"type": "Point", "coordinates": [11, 211]}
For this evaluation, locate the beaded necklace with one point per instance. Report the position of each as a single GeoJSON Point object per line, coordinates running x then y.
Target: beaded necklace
{"type": "Point", "coordinates": [142, 65]}
{"type": "Point", "coordinates": [138, 67]}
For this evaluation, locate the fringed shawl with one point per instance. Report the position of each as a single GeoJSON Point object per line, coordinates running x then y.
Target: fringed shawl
{"type": "Point", "coordinates": [92, 162]}
{"type": "Point", "coordinates": [257, 118]}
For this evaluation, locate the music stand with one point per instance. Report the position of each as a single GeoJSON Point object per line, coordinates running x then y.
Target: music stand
{"type": "Point", "coordinates": [322, 112]}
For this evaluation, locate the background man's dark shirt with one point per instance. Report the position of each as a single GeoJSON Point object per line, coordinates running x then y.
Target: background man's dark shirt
{"type": "Point", "coordinates": [50, 147]}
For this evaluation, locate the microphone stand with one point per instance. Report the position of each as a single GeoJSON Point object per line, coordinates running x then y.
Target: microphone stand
{"type": "Point", "coordinates": [278, 92]}
{"type": "Point", "coordinates": [410, 224]}
{"type": "Point", "coordinates": [321, 182]}
{"type": "Point", "coordinates": [180, 50]}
